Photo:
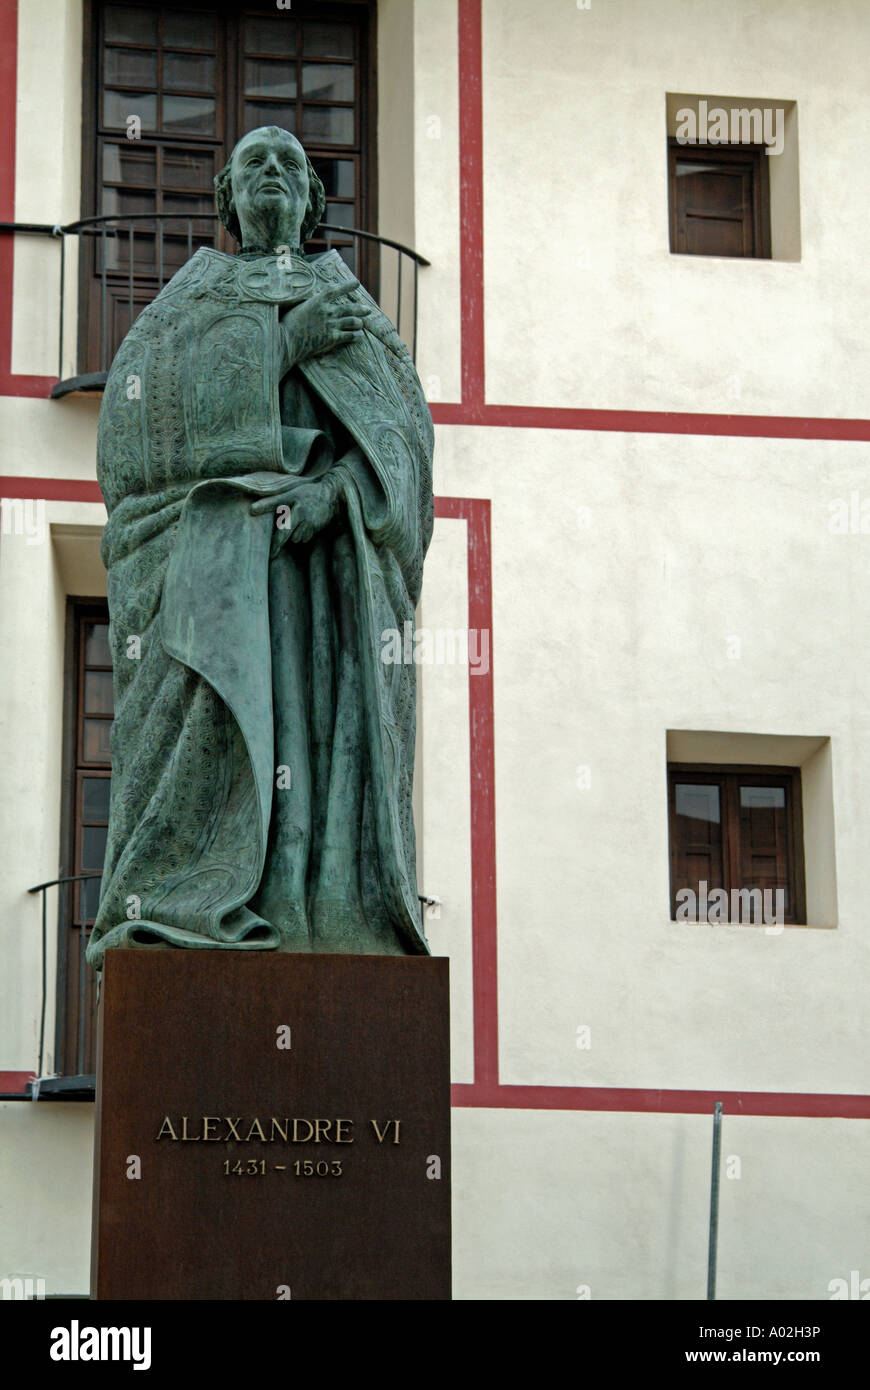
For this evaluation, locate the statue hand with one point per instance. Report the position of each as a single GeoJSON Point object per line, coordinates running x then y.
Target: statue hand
{"type": "Point", "coordinates": [311, 507]}
{"type": "Point", "coordinates": [321, 323]}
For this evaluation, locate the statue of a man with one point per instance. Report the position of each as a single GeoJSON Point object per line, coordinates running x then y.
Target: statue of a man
{"type": "Point", "coordinates": [265, 457]}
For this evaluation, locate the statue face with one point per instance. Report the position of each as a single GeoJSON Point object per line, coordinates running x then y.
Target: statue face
{"type": "Point", "coordinates": [269, 179]}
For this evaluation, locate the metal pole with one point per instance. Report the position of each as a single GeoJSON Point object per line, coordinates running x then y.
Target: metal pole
{"type": "Point", "coordinates": [84, 913]}
{"type": "Point", "coordinates": [104, 304]}
{"type": "Point", "coordinates": [414, 347]}
{"type": "Point", "coordinates": [42, 1015]}
{"type": "Point", "coordinates": [80, 1050]}
{"type": "Point", "coordinates": [714, 1202]}
{"type": "Point", "coordinates": [130, 235]}
{"type": "Point", "coordinates": [62, 286]}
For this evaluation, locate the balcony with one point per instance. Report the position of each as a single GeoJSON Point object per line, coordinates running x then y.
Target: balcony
{"type": "Point", "coordinates": [112, 267]}
{"type": "Point", "coordinates": [77, 992]}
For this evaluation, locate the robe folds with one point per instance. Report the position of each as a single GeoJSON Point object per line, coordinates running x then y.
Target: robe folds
{"type": "Point", "coordinates": [262, 751]}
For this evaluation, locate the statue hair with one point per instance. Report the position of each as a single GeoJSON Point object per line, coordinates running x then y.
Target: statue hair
{"type": "Point", "coordinates": [226, 208]}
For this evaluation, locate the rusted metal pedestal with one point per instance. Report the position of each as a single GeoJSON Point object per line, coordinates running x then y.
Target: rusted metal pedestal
{"type": "Point", "coordinates": [272, 1126]}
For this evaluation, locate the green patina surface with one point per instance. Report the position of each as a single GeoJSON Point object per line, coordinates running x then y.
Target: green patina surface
{"type": "Point", "coordinates": [262, 752]}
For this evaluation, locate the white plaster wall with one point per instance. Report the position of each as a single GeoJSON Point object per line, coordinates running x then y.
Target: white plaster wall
{"type": "Point", "coordinates": [47, 175]}
{"type": "Point", "coordinates": [817, 779]}
{"type": "Point", "coordinates": [611, 626]}
{"type": "Point", "coordinates": [396, 72]}
{"type": "Point", "coordinates": [49, 439]}
{"type": "Point", "coordinates": [436, 191]}
{"type": "Point", "coordinates": [544, 1204]}
{"type": "Point", "coordinates": [446, 818]}
{"type": "Point", "coordinates": [78, 558]}
{"type": "Point", "coordinates": [31, 657]}
{"type": "Point", "coordinates": [32, 620]}
{"type": "Point", "coordinates": [395, 44]}
{"type": "Point", "coordinates": [576, 210]}
{"type": "Point", "coordinates": [46, 1167]}
{"type": "Point", "coordinates": [551, 1203]}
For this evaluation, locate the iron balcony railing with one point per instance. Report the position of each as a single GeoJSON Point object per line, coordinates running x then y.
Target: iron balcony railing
{"type": "Point", "coordinates": [76, 999]}
{"type": "Point", "coordinates": [73, 1075]}
{"type": "Point", "coordinates": [108, 277]}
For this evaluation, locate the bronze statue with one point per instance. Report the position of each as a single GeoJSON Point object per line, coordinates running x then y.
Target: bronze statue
{"type": "Point", "coordinates": [265, 453]}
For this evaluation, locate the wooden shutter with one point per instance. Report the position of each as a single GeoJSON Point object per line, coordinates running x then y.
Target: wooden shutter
{"type": "Point", "coordinates": [719, 201]}
{"type": "Point", "coordinates": [737, 828]}
{"type": "Point", "coordinates": [88, 780]}
{"type": "Point", "coordinates": [698, 850]}
{"type": "Point", "coordinates": [763, 809]}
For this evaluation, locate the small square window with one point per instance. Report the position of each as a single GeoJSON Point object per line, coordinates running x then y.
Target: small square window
{"type": "Point", "coordinates": [719, 200]}
{"type": "Point", "coordinates": [733, 176]}
{"type": "Point", "coordinates": [736, 844]}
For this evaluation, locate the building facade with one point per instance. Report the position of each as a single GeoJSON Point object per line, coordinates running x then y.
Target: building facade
{"type": "Point", "coordinates": [642, 779]}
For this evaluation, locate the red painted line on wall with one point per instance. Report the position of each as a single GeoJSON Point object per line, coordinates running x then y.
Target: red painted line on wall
{"type": "Point", "coordinates": [471, 205]}
{"type": "Point", "coordinates": [484, 929]}
{"type": "Point", "coordinates": [52, 489]}
{"type": "Point", "coordinates": [11, 384]}
{"type": "Point", "coordinates": [15, 1082]}
{"type": "Point", "coordinates": [651, 422]}
{"type": "Point", "coordinates": [783, 1104]}
{"type": "Point", "coordinates": [19, 383]}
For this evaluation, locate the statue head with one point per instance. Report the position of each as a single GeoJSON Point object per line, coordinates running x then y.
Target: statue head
{"type": "Point", "coordinates": [268, 194]}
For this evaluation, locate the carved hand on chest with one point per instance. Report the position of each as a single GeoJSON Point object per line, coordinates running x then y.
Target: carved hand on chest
{"type": "Point", "coordinates": [325, 321]}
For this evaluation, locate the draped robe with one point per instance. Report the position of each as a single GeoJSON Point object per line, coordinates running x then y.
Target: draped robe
{"type": "Point", "coordinates": [262, 751]}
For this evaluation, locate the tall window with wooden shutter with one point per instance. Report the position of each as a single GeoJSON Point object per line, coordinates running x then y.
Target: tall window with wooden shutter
{"type": "Point", "coordinates": [87, 776]}
{"type": "Point", "coordinates": [169, 91]}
